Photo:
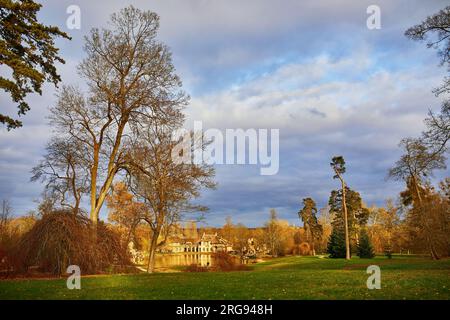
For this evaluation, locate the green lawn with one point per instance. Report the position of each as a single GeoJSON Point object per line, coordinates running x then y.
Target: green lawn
{"type": "Point", "coordinates": [283, 278]}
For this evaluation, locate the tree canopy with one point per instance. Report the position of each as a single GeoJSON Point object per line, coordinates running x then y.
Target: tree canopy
{"type": "Point", "coordinates": [27, 49]}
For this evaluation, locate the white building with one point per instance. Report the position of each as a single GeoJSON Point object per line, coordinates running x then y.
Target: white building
{"type": "Point", "coordinates": [206, 244]}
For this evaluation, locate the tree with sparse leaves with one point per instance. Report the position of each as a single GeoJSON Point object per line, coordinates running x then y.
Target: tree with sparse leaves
{"type": "Point", "coordinates": [436, 31]}
{"type": "Point", "coordinates": [63, 171]}
{"type": "Point", "coordinates": [165, 187]}
{"type": "Point", "coordinates": [27, 49]}
{"type": "Point", "coordinates": [272, 233]}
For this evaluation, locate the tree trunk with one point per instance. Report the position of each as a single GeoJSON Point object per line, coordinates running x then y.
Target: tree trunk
{"type": "Point", "coordinates": [344, 207]}
{"type": "Point", "coordinates": [434, 254]}
{"type": "Point", "coordinates": [97, 201]}
{"type": "Point", "coordinates": [152, 251]}
{"type": "Point", "coordinates": [311, 241]}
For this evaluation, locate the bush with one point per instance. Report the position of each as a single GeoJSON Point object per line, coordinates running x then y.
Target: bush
{"type": "Point", "coordinates": [225, 262]}
{"type": "Point", "coordinates": [365, 248]}
{"type": "Point", "coordinates": [62, 238]}
{"type": "Point", "coordinates": [304, 249]}
{"type": "Point", "coordinates": [196, 268]}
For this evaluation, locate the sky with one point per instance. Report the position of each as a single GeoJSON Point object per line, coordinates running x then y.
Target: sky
{"type": "Point", "coordinates": [311, 69]}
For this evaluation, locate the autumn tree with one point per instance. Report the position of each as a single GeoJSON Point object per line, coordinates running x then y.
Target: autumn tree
{"type": "Point", "coordinates": [27, 50]}
{"type": "Point", "coordinates": [414, 167]}
{"type": "Point", "coordinates": [325, 220]}
{"type": "Point", "coordinates": [308, 215]}
{"type": "Point", "coordinates": [428, 224]}
{"type": "Point", "coordinates": [227, 231]}
{"type": "Point", "coordinates": [124, 211]}
{"type": "Point", "coordinates": [241, 239]}
{"type": "Point", "coordinates": [237, 234]}
{"type": "Point", "coordinates": [131, 80]}
{"type": "Point", "coordinates": [338, 166]}
{"type": "Point", "coordinates": [5, 235]}
{"type": "Point", "coordinates": [5, 218]}
{"type": "Point", "coordinates": [273, 234]}
{"type": "Point", "coordinates": [385, 228]}
{"type": "Point", "coordinates": [5, 213]}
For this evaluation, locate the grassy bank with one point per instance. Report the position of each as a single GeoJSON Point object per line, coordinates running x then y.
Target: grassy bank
{"type": "Point", "coordinates": [284, 278]}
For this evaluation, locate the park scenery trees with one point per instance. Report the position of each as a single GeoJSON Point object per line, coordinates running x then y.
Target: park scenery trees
{"type": "Point", "coordinates": [116, 199]}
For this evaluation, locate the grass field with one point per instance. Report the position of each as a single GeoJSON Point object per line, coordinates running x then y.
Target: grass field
{"type": "Point", "coordinates": [283, 278]}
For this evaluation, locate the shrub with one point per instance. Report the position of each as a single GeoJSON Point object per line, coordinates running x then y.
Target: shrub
{"type": "Point", "coordinates": [304, 249]}
{"type": "Point", "coordinates": [195, 268]}
{"type": "Point", "coordinates": [61, 238]}
{"type": "Point", "coordinates": [225, 262]}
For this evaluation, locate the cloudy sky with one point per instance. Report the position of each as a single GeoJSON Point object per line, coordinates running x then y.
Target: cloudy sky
{"type": "Point", "coordinates": [311, 69]}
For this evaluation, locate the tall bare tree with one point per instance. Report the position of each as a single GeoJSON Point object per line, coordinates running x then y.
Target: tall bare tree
{"type": "Point", "coordinates": [5, 214]}
{"type": "Point", "coordinates": [130, 79]}
{"type": "Point", "coordinates": [436, 30]}
{"type": "Point", "coordinates": [272, 233]}
{"type": "Point", "coordinates": [165, 186]}
{"type": "Point", "coordinates": [338, 166]}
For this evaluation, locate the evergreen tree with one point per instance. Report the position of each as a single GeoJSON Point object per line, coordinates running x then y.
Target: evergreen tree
{"type": "Point", "coordinates": [357, 216]}
{"type": "Point", "coordinates": [27, 50]}
{"type": "Point", "coordinates": [308, 215]}
{"type": "Point", "coordinates": [336, 244]}
{"type": "Point", "coordinates": [365, 248]}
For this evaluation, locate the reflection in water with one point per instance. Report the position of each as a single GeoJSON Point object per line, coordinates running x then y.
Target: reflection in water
{"type": "Point", "coordinates": [172, 260]}
{"type": "Point", "coordinates": [187, 259]}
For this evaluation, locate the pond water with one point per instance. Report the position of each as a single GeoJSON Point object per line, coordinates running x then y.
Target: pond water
{"type": "Point", "coordinates": [180, 259]}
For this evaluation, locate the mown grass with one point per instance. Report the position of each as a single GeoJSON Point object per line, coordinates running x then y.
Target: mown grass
{"type": "Point", "coordinates": [402, 277]}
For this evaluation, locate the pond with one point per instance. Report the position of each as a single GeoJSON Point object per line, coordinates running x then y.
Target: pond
{"type": "Point", "coordinates": [180, 259]}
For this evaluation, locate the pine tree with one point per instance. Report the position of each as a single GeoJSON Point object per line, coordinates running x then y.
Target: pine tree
{"type": "Point", "coordinates": [336, 244]}
{"type": "Point", "coordinates": [365, 248]}
{"type": "Point", "coordinates": [308, 215]}
{"type": "Point", "coordinates": [27, 49]}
